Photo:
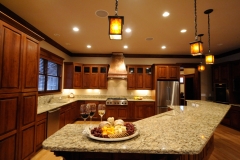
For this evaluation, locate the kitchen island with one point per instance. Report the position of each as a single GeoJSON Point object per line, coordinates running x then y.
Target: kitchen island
{"type": "Point", "coordinates": [184, 132]}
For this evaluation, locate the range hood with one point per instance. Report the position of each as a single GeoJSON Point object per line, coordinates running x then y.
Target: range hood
{"type": "Point", "coordinates": [117, 67]}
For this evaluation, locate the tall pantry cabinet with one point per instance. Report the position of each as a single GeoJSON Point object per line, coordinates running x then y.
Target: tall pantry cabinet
{"type": "Point", "coordinates": [19, 59]}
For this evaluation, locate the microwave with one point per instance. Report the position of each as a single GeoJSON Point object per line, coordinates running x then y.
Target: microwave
{"type": "Point", "coordinates": [236, 84]}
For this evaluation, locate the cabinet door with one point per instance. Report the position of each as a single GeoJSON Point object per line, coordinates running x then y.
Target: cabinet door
{"type": "Point", "coordinates": [131, 110]}
{"type": "Point", "coordinates": [27, 142]}
{"type": "Point", "coordinates": [86, 76]}
{"type": "Point", "coordinates": [111, 111]}
{"type": "Point", "coordinates": [29, 108]}
{"type": "Point", "coordinates": [41, 133]}
{"type": "Point", "coordinates": [215, 71]}
{"type": "Point", "coordinates": [30, 65]}
{"type": "Point", "coordinates": [68, 75]}
{"type": "Point", "coordinates": [144, 109]}
{"type": "Point", "coordinates": [94, 80]}
{"type": "Point", "coordinates": [162, 72]}
{"type": "Point", "coordinates": [103, 77]}
{"type": "Point", "coordinates": [77, 78]}
{"type": "Point", "coordinates": [9, 113]}
{"type": "Point", "coordinates": [173, 72]}
{"type": "Point", "coordinates": [131, 77]}
{"type": "Point", "coordinates": [235, 117]}
{"type": "Point", "coordinates": [224, 73]}
{"type": "Point", "coordinates": [122, 112]}
{"type": "Point", "coordinates": [62, 120]}
{"type": "Point", "coordinates": [8, 148]}
{"type": "Point", "coordinates": [10, 58]}
{"type": "Point", "coordinates": [139, 78]}
{"type": "Point", "coordinates": [148, 78]}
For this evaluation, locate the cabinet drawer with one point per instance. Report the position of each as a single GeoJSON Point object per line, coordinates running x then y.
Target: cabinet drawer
{"type": "Point", "coordinates": [41, 116]}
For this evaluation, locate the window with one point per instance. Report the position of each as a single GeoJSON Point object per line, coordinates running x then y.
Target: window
{"type": "Point", "coordinates": [49, 76]}
{"type": "Point", "coordinates": [50, 72]}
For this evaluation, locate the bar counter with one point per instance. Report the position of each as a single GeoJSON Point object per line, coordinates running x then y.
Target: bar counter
{"type": "Point", "coordinates": [185, 131]}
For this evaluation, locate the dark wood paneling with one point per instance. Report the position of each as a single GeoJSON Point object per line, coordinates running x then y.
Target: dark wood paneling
{"type": "Point", "coordinates": [10, 58]}
{"type": "Point", "coordinates": [27, 142]}
{"type": "Point", "coordinates": [8, 148]}
{"type": "Point", "coordinates": [30, 65]}
{"type": "Point", "coordinates": [29, 109]}
{"type": "Point", "coordinates": [9, 113]}
{"type": "Point", "coordinates": [41, 132]}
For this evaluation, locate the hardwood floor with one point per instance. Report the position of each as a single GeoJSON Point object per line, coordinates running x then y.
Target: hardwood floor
{"type": "Point", "coordinates": [226, 146]}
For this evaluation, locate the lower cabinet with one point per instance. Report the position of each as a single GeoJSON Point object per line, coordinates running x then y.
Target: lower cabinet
{"type": "Point", "coordinates": [133, 112]}
{"type": "Point", "coordinates": [69, 113]}
{"type": "Point", "coordinates": [144, 110]}
{"type": "Point", "coordinates": [41, 133]}
{"type": "Point", "coordinates": [232, 118]}
{"type": "Point", "coordinates": [65, 116]}
{"type": "Point", "coordinates": [118, 112]}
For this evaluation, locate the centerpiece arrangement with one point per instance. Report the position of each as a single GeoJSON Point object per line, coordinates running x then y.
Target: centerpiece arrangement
{"type": "Point", "coordinates": [113, 130]}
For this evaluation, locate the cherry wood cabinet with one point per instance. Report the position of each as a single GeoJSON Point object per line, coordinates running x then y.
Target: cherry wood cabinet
{"type": "Point", "coordinates": [232, 118]}
{"type": "Point", "coordinates": [28, 113]}
{"type": "Point", "coordinates": [41, 129]}
{"type": "Point", "coordinates": [118, 112]}
{"type": "Point", "coordinates": [73, 75]}
{"type": "Point", "coordinates": [143, 110]}
{"type": "Point", "coordinates": [9, 109]}
{"type": "Point", "coordinates": [167, 72]}
{"type": "Point", "coordinates": [95, 76]}
{"type": "Point", "coordinates": [19, 59]}
{"type": "Point", "coordinates": [220, 73]}
{"type": "Point", "coordinates": [139, 77]}
{"type": "Point", "coordinates": [65, 116]}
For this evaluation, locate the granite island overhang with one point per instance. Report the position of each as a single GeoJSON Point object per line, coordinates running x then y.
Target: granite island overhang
{"type": "Point", "coordinates": [184, 131]}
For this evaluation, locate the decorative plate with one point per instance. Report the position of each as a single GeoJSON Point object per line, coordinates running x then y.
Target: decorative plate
{"type": "Point", "coordinates": [87, 132]}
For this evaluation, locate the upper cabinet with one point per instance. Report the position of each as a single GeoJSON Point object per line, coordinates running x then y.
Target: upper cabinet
{"type": "Point", "coordinates": [167, 72]}
{"type": "Point", "coordinates": [139, 77]}
{"type": "Point", "coordinates": [95, 76]}
{"type": "Point", "coordinates": [19, 56]}
{"type": "Point", "coordinates": [86, 76]}
{"type": "Point", "coordinates": [73, 75]}
{"type": "Point", "coordinates": [220, 73]}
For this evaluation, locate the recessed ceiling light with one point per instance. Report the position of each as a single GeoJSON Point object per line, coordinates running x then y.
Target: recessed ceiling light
{"type": "Point", "coordinates": [163, 47]}
{"type": "Point", "coordinates": [128, 30]}
{"type": "Point", "coordinates": [76, 29]}
{"type": "Point", "coordinates": [165, 14]}
{"type": "Point", "coordinates": [125, 46]}
{"type": "Point", "coordinates": [183, 31]}
{"type": "Point", "coordinates": [89, 46]}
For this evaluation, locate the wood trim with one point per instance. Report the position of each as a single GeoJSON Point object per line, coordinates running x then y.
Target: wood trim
{"type": "Point", "coordinates": [51, 56]}
{"type": "Point", "coordinates": [19, 26]}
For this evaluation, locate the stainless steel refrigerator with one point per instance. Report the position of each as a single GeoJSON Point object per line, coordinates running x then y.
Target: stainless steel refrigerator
{"type": "Point", "coordinates": [167, 93]}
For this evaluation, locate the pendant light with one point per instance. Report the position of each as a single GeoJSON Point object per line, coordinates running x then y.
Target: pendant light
{"type": "Point", "coordinates": [196, 47]}
{"type": "Point", "coordinates": [115, 25]}
{"type": "Point", "coordinates": [209, 58]}
{"type": "Point", "coordinates": [201, 67]}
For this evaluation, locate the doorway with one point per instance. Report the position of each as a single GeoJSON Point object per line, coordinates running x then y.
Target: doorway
{"type": "Point", "coordinates": [189, 87]}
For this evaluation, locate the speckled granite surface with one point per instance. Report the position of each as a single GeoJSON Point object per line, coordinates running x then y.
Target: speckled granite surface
{"type": "Point", "coordinates": [184, 130]}
{"type": "Point", "coordinates": [46, 103]}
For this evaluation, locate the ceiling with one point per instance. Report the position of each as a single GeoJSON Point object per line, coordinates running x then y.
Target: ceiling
{"type": "Point", "coordinates": [56, 18]}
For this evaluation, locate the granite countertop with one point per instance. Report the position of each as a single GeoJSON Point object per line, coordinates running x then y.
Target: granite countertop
{"type": "Point", "coordinates": [183, 130]}
{"type": "Point", "coordinates": [50, 106]}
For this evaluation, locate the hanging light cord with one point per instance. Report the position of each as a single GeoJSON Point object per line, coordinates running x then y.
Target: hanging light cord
{"type": "Point", "coordinates": [195, 20]}
{"type": "Point", "coordinates": [208, 33]}
{"type": "Point", "coordinates": [116, 8]}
